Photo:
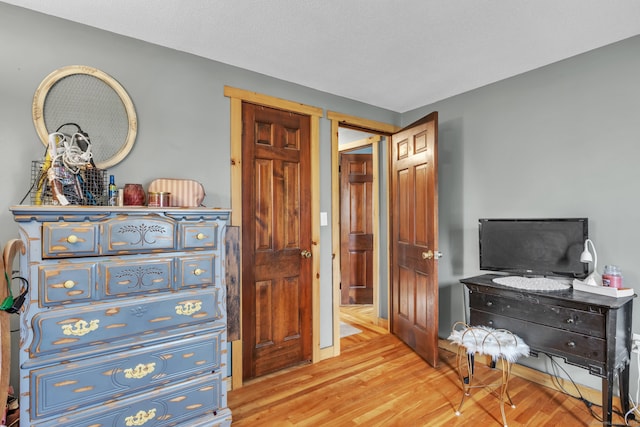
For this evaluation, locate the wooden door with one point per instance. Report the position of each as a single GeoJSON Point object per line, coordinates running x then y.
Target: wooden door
{"type": "Point", "coordinates": [276, 240]}
{"type": "Point", "coordinates": [414, 196]}
{"type": "Point", "coordinates": [356, 229]}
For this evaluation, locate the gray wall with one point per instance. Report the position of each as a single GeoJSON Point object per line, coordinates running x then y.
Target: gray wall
{"type": "Point", "coordinates": [183, 116]}
{"type": "Point", "coordinates": [559, 141]}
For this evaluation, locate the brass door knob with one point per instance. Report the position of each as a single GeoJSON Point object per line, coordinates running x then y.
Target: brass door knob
{"type": "Point", "coordinates": [305, 254]}
{"type": "Point", "coordinates": [427, 255]}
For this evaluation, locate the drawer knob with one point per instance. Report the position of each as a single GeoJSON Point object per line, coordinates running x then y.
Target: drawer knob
{"type": "Point", "coordinates": [200, 236]}
{"type": "Point", "coordinates": [198, 271]}
{"type": "Point", "coordinates": [72, 239]}
{"type": "Point", "coordinates": [571, 344]}
{"type": "Point", "coordinates": [69, 284]}
{"type": "Point", "coordinates": [489, 303]}
{"type": "Point", "coordinates": [570, 320]}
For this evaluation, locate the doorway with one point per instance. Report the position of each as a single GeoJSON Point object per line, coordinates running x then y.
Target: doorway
{"type": "Point", "coordinates": [239, 211]}
{"type": "Point", "coordinates": [361, 130]}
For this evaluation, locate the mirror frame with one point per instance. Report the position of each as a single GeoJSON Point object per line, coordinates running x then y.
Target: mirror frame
{"type": "Point", "coordinates": [43, 90]}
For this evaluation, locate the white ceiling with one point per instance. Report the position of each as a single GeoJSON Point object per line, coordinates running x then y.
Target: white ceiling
{"type": "Point", "coordinates": [395, 54]}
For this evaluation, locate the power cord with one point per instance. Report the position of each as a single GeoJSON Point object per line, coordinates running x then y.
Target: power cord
{"type": "Point", "coordinates": [588, 404]}
{"type": "Point", "coordinates": [634, 408]}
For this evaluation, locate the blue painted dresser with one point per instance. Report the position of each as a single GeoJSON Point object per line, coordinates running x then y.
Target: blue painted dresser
{"type": "Point", "coordinates": [125, 323]}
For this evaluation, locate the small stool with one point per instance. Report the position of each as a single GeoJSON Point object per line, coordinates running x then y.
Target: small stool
{"type": "Point", "coordinates": [502, 345]}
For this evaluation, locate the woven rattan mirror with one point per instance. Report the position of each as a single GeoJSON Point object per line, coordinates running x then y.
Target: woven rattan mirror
{"type": "Point", "coordinates": [94, 101]}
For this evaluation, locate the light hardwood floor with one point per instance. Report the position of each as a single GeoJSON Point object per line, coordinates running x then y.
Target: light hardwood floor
{"type": "Point", "coordinates": [378, 381]}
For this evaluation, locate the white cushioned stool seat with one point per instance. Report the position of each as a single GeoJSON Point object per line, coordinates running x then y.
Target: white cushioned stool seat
{"type": "Point", "coordinates": [501, 345]}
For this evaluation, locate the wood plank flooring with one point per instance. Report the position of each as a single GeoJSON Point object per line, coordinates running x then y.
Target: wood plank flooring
{"type": "Point", "coordinates": [379, 381]}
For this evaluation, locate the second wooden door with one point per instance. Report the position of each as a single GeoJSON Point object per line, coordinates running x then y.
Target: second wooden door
{"type": "Point", "coordinates": [356, 228]}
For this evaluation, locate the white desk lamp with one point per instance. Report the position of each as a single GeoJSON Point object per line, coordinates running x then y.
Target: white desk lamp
{"type": "Point", "coordinates": [593, 279]}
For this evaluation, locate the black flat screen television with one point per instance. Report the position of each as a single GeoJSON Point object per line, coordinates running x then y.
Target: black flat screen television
{"type": "Point", "coordinates": [534, 247]}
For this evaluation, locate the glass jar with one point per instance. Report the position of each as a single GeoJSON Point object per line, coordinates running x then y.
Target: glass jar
{"type": "Point", "coordinates": [134, 195]}
{"type": "Point", "coordinates": [612, 276]}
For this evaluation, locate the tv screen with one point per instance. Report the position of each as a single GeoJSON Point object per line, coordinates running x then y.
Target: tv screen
{"type": "Point", "coordinates": [534, 247]}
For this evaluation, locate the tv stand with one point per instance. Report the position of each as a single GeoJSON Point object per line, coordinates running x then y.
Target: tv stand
{"type": "Point", "coordinates": [587, 330]}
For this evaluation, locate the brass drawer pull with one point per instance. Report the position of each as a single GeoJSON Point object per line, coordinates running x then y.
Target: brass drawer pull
{"type": "Point", "coordinates": [69, 284]}
{"type": "Point", "coordinates": [198, 272]}
{"type": "Point", "coordinates": [188, 308]}
{"type": "Point", "coordinates": [142, 417]}
{"type": "Point", "coordinates": [200, 236]}
{"type": "Point", "coordinates": [140, 371]}
{"type": "Point", "coordinates": [80, 328]}
{"type": "Point", "coordinates": [72, 239]}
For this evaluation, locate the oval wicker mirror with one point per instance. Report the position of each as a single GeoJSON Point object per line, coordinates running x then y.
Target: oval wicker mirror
{"type": "Point", "coordinates": [93, 101]}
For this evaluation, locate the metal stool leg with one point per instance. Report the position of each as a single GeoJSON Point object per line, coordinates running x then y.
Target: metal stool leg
{"type": "Point", "coordinates": [465, 360]}
{"type": "Point", "coordinates": [506, 369]}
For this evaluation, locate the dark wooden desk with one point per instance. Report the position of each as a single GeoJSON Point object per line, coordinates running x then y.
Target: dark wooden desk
{"type": "Point", "coordinates": [587, 330]}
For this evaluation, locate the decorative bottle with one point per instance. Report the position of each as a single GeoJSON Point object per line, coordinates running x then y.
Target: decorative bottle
{"type": "Point", "coordinates": [612, 276]}
{"type": "Point", "coordinates": [113, 191]}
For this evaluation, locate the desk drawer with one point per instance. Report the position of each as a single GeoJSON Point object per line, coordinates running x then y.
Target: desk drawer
{"type": "Point", "coordinates": [574, 347]}
{"type": "Point", "coordinates": [63, 387]}
{"type": "Point", "coordinates": [580, 321]}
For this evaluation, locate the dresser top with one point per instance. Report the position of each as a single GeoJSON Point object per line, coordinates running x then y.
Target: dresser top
{"type": "Point", "coordinates": [26, 213]}
{"type": "Point", "coordinates": [569, 296]}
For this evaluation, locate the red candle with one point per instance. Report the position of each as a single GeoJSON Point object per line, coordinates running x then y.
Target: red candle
{"type": "Point", "coordinates": [134, 195]}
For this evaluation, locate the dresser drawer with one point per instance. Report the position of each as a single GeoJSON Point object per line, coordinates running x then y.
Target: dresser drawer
{"type": "Point", "coordinates": [196, 271]}
{"type": "Point", "coordinates": [145, 234]}
{"type": "Point", "coordinates": [65, 282]}
{"type": "Point", "coordinates": [58, 331]}
{"type": "Point", "coordinates": [64, 387]}
{"type": "Point", "coordinates": [128, 276]}
{"type": "Point", "coordinates": [570, 345]}
{"type": "Point", "coordinates": [584, 322]}
{"type": "Point", "coordinates": [198, 235]}
{"type": "Point", "coordinates": [69, 239]}
{"type": "Point", "coordinates": [173, 405]}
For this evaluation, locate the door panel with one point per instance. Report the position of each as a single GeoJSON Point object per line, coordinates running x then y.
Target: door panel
{"type": "Point", "coordinates": [276, 279]}
{"type": "Point", "coordinates": [356, 228]}
{"type": "Point", "coordinates": [414, 286]}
